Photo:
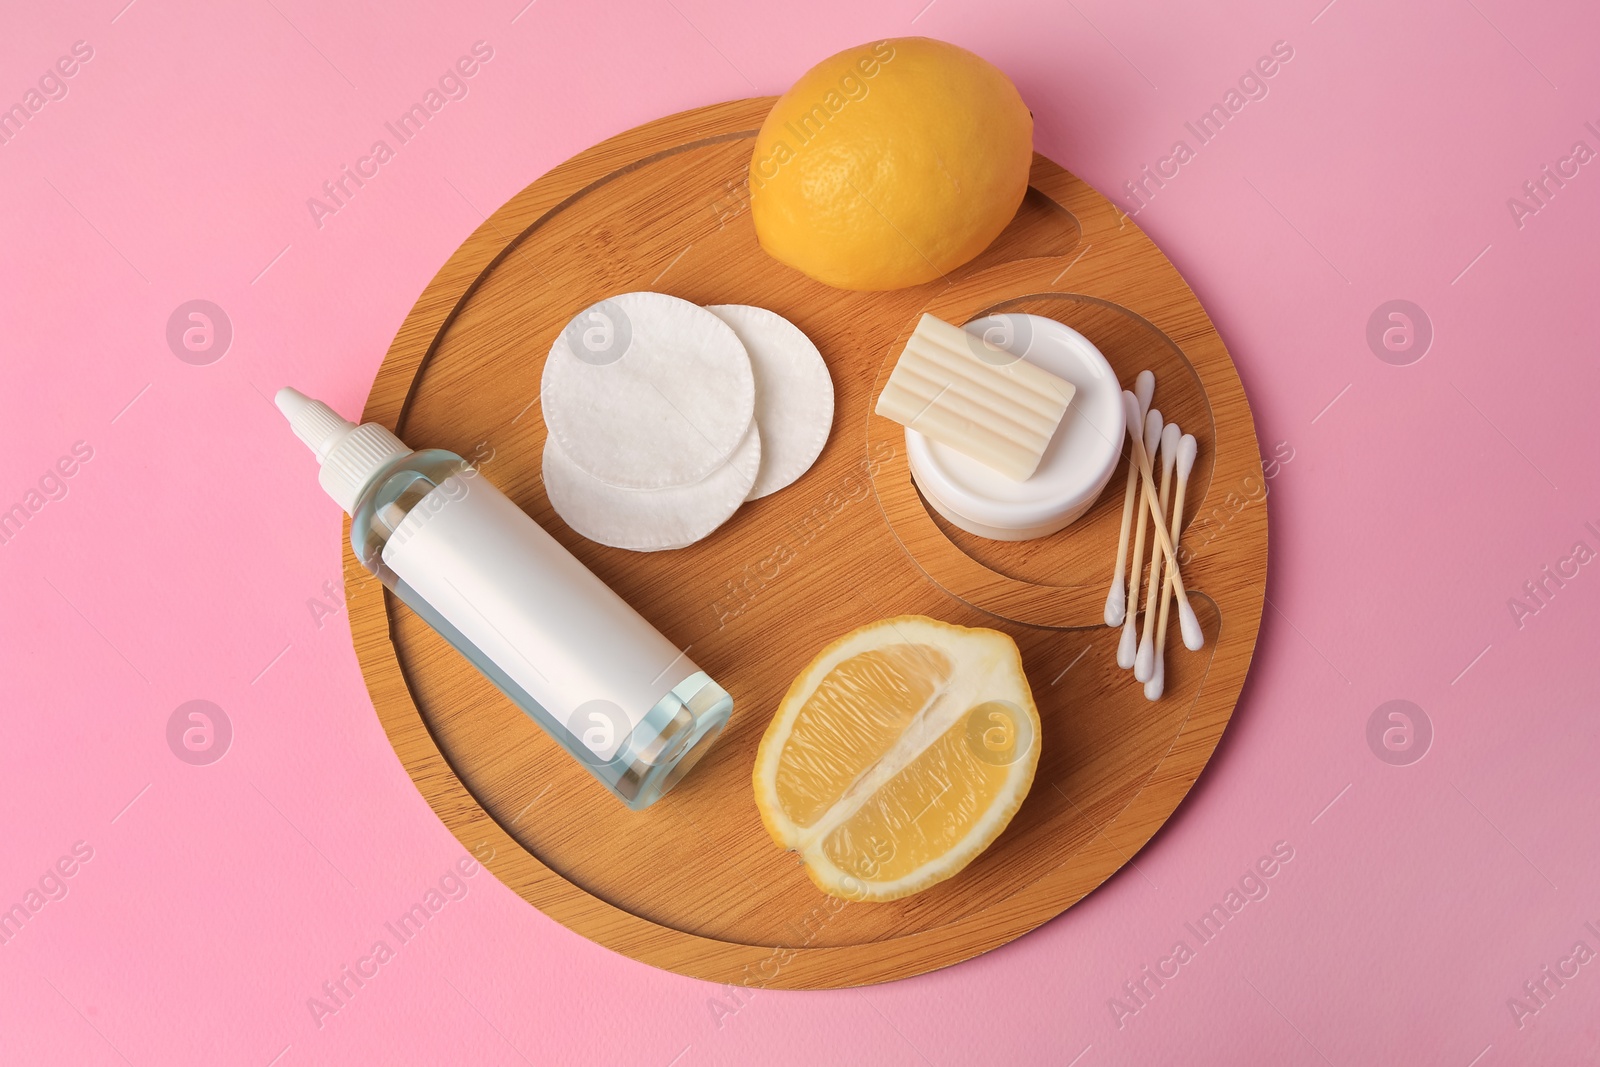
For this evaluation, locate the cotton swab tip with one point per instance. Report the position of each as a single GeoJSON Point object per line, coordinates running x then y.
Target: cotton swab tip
{"type": "Point", "coordinates": [1144, 387]}
{"type": "Point", "coordinates": [1157, 683]}
{"type": "Point", "coordinates": [1188, 448]}
{"type": "Point", "coordinates": [1170, 435]}
{"type": "Point", "coordinates": [1193, 638]}
{"type": "Point", "coordinates": [1116, 604]}
{"type": "Point", "coordinates": [1152, 431]}
{"type": "Point", "coordinates": [1128, 647]}
{"type": "Point", "coordinates": [1132, 414]}
{"type": "Point", "coordinates": [1144, 661]}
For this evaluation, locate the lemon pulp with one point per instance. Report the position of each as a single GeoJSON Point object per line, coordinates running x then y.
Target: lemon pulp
{"type": "Point", "coordinates": [900, 752]}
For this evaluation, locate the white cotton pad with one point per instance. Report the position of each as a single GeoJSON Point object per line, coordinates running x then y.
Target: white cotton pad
{"type": "Point", "coordinates": [646, 391]}
{"type": "Point", "coordinates": [648, 520]}
{"type": "Point", "coordinates": [794, 395]}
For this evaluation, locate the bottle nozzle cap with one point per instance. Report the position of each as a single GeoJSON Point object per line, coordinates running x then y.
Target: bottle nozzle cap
{"type": "Point", "coordinates": [314, 422]}
{"type": "Point", "coordinates": [350, 455]}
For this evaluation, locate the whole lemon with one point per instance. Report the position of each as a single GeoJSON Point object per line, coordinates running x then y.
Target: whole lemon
{"type": "Point", "coordinates": [890, 164]}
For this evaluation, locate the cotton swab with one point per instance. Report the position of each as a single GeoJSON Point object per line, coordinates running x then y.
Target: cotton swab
{"type": "Point", "coordinates": [1144, 387]}
{"type": "Point", "coordinates": [1144, 662]}
{"type": "Point", "coordinates": [1193, 637]}
{"type": "Point", "coordinates": [1128, 647]}
{"type": "Point", "coordinates": [1187, 449]}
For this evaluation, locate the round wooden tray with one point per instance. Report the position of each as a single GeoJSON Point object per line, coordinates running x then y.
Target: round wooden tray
{"type": "Point", "coordinates": [694, 884]}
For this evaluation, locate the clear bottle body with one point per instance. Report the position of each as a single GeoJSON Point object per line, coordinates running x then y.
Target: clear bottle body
{"type": "Point", "coordinates": [597, 677]}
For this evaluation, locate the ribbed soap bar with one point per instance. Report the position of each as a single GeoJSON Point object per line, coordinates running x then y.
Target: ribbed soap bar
{"type": "Point", "coordinates": [953, 387]}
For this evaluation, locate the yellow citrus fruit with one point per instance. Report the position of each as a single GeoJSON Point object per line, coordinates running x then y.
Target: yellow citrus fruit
{"type": "Point", "coordinates": [890, 164]}
{"type": "Point", "coordinates": [900, 752]}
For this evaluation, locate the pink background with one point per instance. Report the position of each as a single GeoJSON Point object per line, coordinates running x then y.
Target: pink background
{"type": "Point", "coordinates": [1417, 501]}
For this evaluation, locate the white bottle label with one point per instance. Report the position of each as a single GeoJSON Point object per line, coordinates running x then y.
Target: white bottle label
{"type": "Point", "coordinates": [544, 618]}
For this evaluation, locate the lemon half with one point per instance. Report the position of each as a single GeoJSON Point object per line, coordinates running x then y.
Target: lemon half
{"type": "Point", "coordinates": [897, 756]}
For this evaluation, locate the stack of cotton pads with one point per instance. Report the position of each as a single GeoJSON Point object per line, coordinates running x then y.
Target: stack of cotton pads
{"type": "Point", "coordinates": [665, 416]}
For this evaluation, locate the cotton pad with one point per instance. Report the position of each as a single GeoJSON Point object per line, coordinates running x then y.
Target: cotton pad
{"type": "Point", "coordinates": [794, 394]}
{"type": "Point", "coordinates": [646, 391]}
{"type": "Point", "coordinates": [648, 520]}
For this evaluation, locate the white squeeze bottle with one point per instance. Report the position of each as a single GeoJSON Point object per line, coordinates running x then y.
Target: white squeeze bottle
{"type": "Point", "coordinates": [571, 653]}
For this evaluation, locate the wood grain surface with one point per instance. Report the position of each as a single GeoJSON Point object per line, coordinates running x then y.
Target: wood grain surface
{"type": "Point", "coordinates": [694, 884]}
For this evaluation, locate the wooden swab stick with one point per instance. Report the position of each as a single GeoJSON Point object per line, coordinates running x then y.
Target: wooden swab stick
{"type": "Point", "coordinates": [1129, 645]}
{"type": "Point", "coordinates": [1193, 637]}
{"type": "Point", "coordinates": [1187, 448]}
{"type": "Point", "coordinates": [1144, 387]}
{"type": "Point", "coordinates": [1144, 663]}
